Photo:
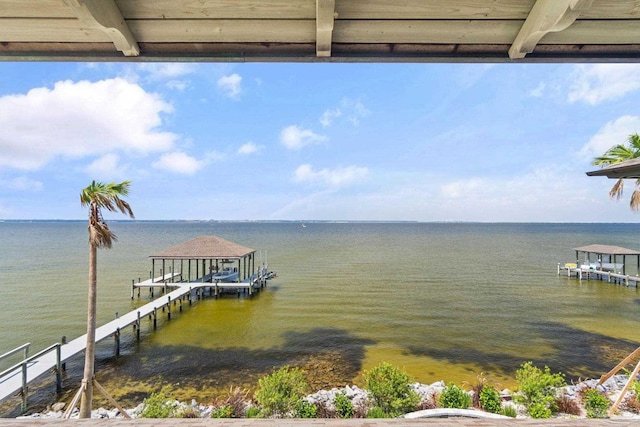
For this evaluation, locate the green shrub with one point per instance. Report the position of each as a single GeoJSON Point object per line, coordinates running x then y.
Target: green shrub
{"type": "Point", "coordinates": [538, 389]}
{"type": "Point", "coordinates": [253, 412]}
{"type": "Point", "coordinates": [159, 404]}
{"type": "Point", "coordinates": [280, 392]}
{"type": "Point", "coordinates": [595, 403]}
{"type": "Point", "coordinates": [490, 399]}
{"type": "Point", "coordinates": [509, 411]}
{"type": "Point", "coordinates": [389, 389]}
{"type": "Point", "coordinates": [225, 411]}
{"type": "Point", "coordinates": [305, 409]}
{"type": "Point", "coordinates": [454, 397]}
{"type": "Point", "coordinates": [376, 412]}
{"type": "Point", "coordinates": [343, 405]}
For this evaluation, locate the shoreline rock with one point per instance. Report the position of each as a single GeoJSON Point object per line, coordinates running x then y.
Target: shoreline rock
{"type": "Point", "coordinates": [427, 392]}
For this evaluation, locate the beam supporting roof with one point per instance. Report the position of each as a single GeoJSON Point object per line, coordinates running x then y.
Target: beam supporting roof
{"type": "Point", "coordinates": [546, 16]}
{"type": "Point", "coordinates": [105, 16]}
{"type": "Point", "coordinates": [325, 15]}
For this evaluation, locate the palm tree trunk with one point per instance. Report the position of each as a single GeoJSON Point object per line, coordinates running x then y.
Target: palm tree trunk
{"type": "Point", "coordinates": [87, 395]}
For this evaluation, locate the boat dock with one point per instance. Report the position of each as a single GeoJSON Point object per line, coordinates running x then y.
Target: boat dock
{"type": "Point", "coordinates": [606, 265]}
{"type": "Point", "coordinates": [177, 288]}
{"type": "Point", "coordinates": [16, 378]}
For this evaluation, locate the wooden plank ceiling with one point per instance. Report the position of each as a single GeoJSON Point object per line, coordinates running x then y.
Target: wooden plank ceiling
{"type": "Point", "coordinates": [321, 30]}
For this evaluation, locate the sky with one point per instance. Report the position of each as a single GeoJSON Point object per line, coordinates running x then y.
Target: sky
{"type": "Point", "coordinates": [288, 141]}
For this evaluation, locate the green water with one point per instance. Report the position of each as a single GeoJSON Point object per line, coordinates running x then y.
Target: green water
{"type": "Point", "coordinates": [444, 301]}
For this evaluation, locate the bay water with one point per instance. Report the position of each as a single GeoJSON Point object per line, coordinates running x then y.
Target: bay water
{"type": "Point", "coordinates": [444, 301]}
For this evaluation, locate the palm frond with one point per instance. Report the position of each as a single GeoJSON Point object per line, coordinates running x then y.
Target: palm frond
{"type": "Point", "coordinates": [616, 190]}
{"type": "Point", "coordinates": [634, 204]}
{"type": "Point", "coordinates": [100, 196]}
{"type": "Point", "coordinates": [107, 196]}
{"type": "Point", "coordinates": [616, 154]}
{"type": "Point", "coordinates": [634, 141]}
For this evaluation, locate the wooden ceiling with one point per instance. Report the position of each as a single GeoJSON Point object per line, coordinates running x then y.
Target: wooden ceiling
{"type": "Point", "coordinates": [321, 30]}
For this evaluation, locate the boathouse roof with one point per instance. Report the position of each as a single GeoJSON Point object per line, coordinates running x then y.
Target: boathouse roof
{"type": "Point", "coordinates": [607, 250]}
{"type": "Point", "coordinates": [205, 247]}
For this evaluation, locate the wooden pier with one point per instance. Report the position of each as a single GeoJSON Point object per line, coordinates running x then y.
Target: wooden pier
{"type": "Point", "coordinates": [582, 273]}
{"type": "Point", "coordinates": [605, 266]}
{"type": "Point", "coordinates": [201, 261]}
{"type": "Point", "coordinates": [15, 379]}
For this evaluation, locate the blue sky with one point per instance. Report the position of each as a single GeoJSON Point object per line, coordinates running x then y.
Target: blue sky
{"type": "Point", "coordinates": [420, 142]}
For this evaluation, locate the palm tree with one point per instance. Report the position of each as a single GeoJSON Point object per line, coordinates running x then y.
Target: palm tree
{"type": "Point", "coordinates": [98, 196]}
{"type": "Point", "coordinates": [619, 153]}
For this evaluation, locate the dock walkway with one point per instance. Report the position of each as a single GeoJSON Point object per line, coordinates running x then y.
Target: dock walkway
{"type": "Point", "coordinates": [588, 273]}
{"type": "Point", "coordinates": [13, 381]}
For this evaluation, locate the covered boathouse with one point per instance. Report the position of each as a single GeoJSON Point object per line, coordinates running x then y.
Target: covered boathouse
{"type": "Point", "coordinates": [204, 258]}
{"type": "Point", "coordinates": [607, 258]}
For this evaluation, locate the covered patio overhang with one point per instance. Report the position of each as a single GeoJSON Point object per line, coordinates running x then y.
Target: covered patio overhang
{"type": "Point", "coordinates": [321, 30]}
{"type": "Point", "coordinates": [201, 258]}
{"type": "Point", "coordinates": [629, 169]}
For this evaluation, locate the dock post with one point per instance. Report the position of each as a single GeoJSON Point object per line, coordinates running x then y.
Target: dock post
{"type": "Point", "coordinates": [190, 295]}
{"type": "Point", "coordinates": [138, 288]}
{"type": "Point", "coordinates": [58, 368]}
{"type": "Point", "coordinates": [155, 318]}
{"type": "Point", "coordinates": [558, 269]}
{"type": "Point", "coordinates": [138, 328]}
{"type": "Point", "coordinates": [25, 389]}
{"type": "Point", "coordinates": [116, 336]}
{"type": "Point", "coordinates": [169, 308]}
{"type": "Point", "coordinates": [133, 287]}
{"type": "Point", "coordinates": [63, 341]}
{"type": "Point", "coordinates": [626, 280]}
{"type": "Point", "coordinates": [181, 305]}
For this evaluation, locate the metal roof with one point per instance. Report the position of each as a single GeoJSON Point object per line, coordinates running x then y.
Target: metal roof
{"type": "Point", "coordinates": [624, 170]}
{"type": "Point", "coordinates": [321, 30]}
{"type": "Point", "coordinates": [205, 247]}
{"type": "Point", "coordinates": [607, 250]}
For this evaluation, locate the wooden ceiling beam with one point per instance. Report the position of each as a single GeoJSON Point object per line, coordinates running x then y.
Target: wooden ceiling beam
{"type": "Point", "coordinates": [546, 16]}
{"type": "Point", "coordinates": [325, 15]}
{"type": "Point", "coordinates": [105, 16]}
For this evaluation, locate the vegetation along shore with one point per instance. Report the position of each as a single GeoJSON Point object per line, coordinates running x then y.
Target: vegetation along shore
{"type": "Point", "coordinates": [388, 392]}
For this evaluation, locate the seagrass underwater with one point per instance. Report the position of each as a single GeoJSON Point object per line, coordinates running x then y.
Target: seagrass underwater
{"type": "Point", "coordinates": [444, 301]}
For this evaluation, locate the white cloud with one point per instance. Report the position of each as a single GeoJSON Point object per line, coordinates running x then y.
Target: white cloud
{"type": "Point", "coordinates": [328, 116]}
{"type": "Point", "coordinates": [178, 84]}
{"type": "Point", "coordinates": [179, 162]}
{"type": "Point", "coordinates": [352, 110]}
{"type": "Point", "coordinates": [248, 148]}
{"type": "Point", "coordinates": [338, 177]}
{"type": "Point", "coordinates": [230, 85]}
{"type": "Point", "coordinates": [166, 70]}
{"type": "Point", "coordinates": [538, 91]}
{"type": "Point", "coordinates": [21, 183]}
{"type": "Point", "coordinates": [294, 138]}
{"type": "Point", "coordinates": [355, 110]}
{"type": "Point", "coordinates": [612, 133]}
{"type": "Point", "coordinates": [107, 167]}
{"type": "Point", "coordinates": [78, 119]}
{"type": "Point", "coordinates": [594, 84]}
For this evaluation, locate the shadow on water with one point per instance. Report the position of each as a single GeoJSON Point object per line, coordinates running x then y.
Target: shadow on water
{"type": "Point", "coordinates": [331, 357]}
{"type": "Point", "coordinates": [575, 352]}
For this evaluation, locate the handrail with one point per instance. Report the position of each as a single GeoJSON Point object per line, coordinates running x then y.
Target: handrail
{"type": "Point", "coordinates": [24, 390]}
{"type": "Point", "coordinates": [29, 359]}
{"type": "Point", "coordinates": [24, 347]}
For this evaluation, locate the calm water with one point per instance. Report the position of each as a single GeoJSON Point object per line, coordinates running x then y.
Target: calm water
{"type": "Point", "coordinates": [443, 301]}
